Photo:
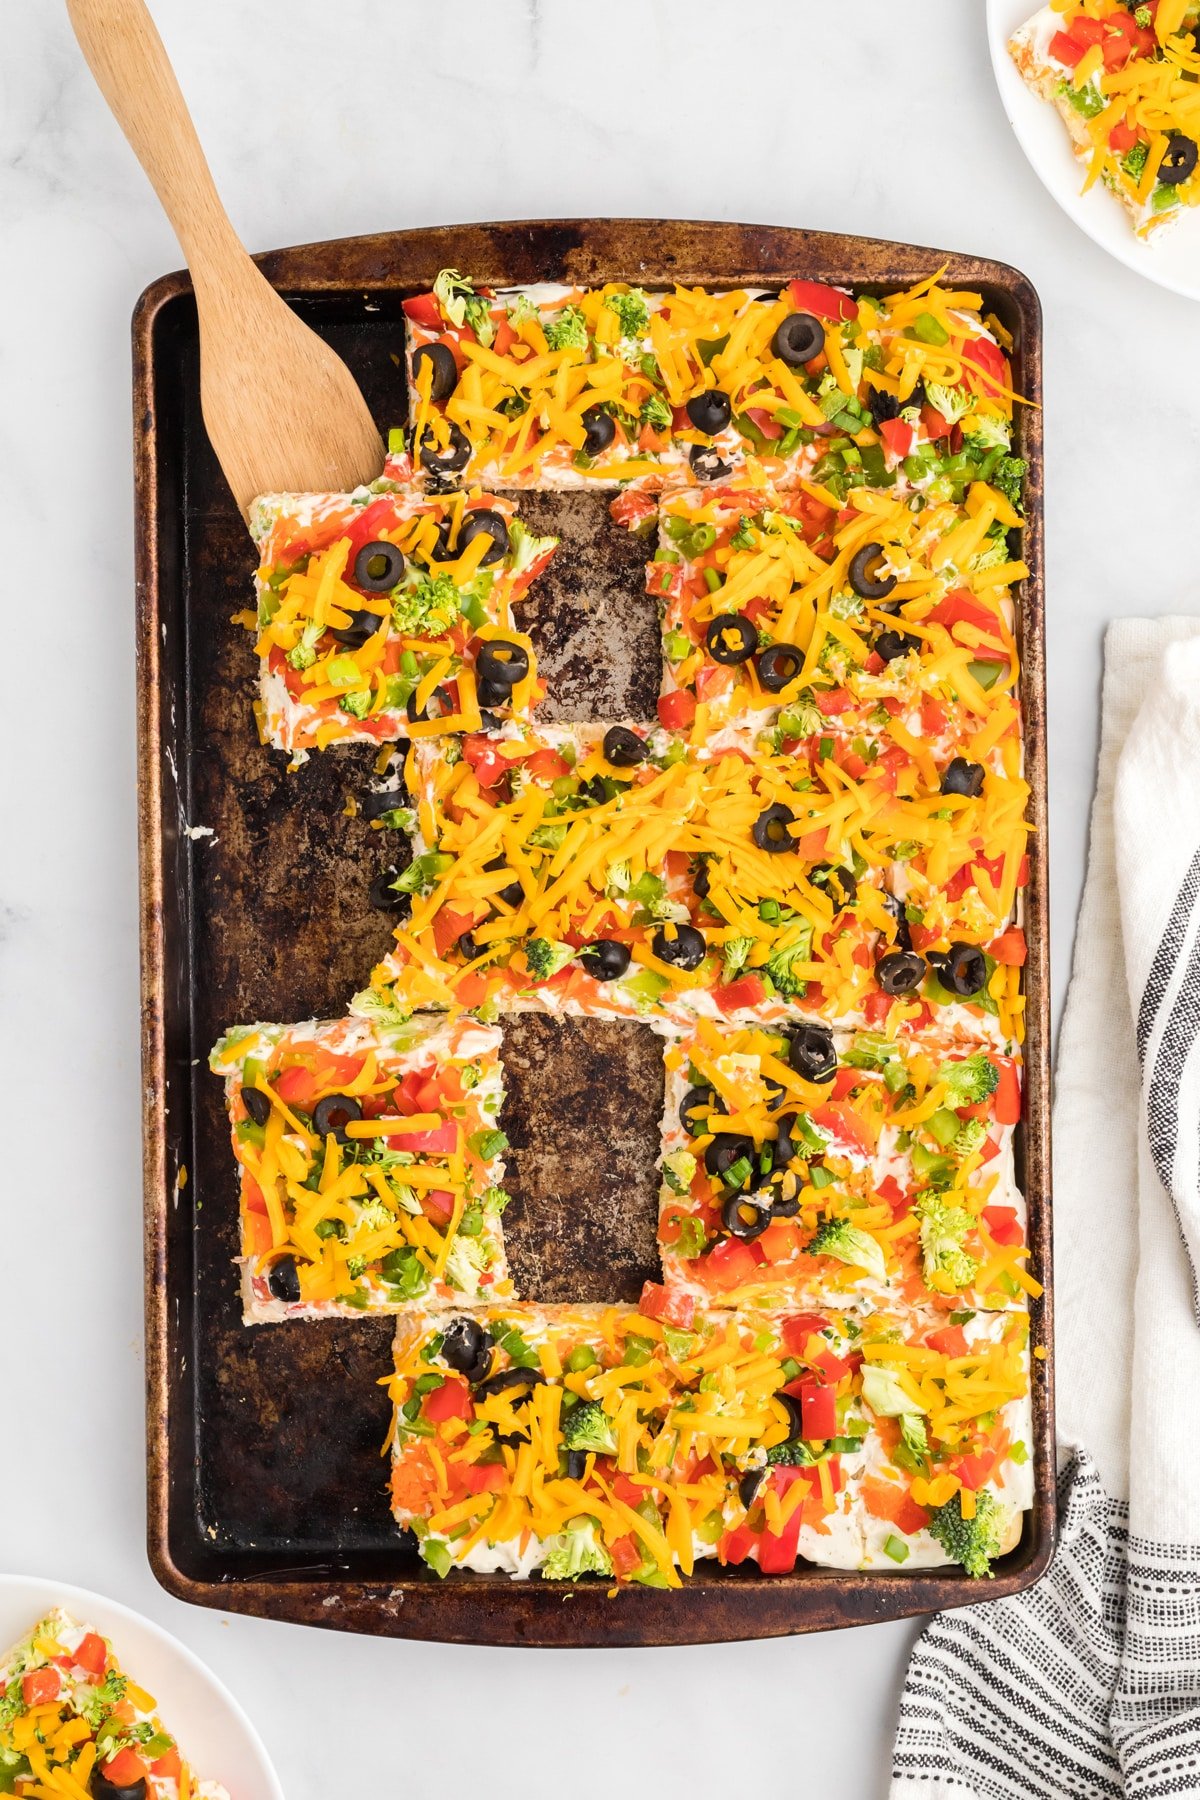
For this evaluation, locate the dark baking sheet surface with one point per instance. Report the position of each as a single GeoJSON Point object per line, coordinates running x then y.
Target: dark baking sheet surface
{"type": "Point", "coordinates": [266, 1488]}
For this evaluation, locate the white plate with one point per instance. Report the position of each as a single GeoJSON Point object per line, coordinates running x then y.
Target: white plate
{"type": "Point", "coordinates": [214, 1733]}
{"type": "Point", "coordinates": [1173, 261]}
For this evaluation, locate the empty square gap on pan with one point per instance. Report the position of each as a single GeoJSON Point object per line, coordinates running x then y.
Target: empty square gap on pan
{"type": "Point", "coordinates": [582, 1115]}
{"type": "Point", "coordinates": [595, 630]}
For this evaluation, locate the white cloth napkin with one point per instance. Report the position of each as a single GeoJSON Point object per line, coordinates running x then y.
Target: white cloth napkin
{"type": "Point", "coordinates": [1089, 1685]}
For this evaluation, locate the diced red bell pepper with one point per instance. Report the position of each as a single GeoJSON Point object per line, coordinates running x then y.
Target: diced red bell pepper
{"type": "Point", "coordinates": [41, 1686]}
{"type": "Point", "coordinates": [1065, 50]}
{"type": "Point", "coordinates": [768, 425]}
{"type": "Point", "coordinates": [974, 1471]}
{"type": "Point", "coordinates": [423, 310]}
{"type": "Point", "coordinates": [844, 1082]}
{"type": "Point", "coordinates": [485, 760]}
{"type": "Point", "coordinates": [985, 365]}
{"type": "Point", "coordinates": [124, 1770]}
{"type": "Point", "coordinates": [442, 1140]}
{"type": "Point", "coordinates": [826, 302]}
{"type": "Point", "coordinates": [658, 1302]}
{"type": "Point", "coordinates": [833, 701]}
{"type": "Point", "coordinates": [726, 1266]}
{"type": "Point", "coordinates": [897, 435]}
{"type": "Point", "coordinates": [1009, 948]}
{"type": "Point", "coordinates": [933, 716]}
{"type": "Point", "coordinates": [889, 1189]}
{"type": "Point", "coordinates": [777, 1550]}
{"type": "Point", "coordinates": [626, 1557]}
{"type": "Point", "coordinates": [676, 711]}
{"type": "Point", "coordinates": [448, 926]}
{"type": "Point", "coordinates": [632, 508]}
{"type": "Point", "coordinates": [168, 1766]}
{"type": "Point", "coordinates": [547, 765]}
{"type": "Point", "coordinates": [482, 1478]}
{"type": "Point", "coordinates": [92, 1653]}
{"type": "Point", "coordinates": [746, 991]}
{"type": "Point", "coordinates": [843, 1122]}
{"type": "Point", "coordinates": [799, 1328]}
{"type": "Point", "coordinates": [818, 1410]}
{"type": "Point", "coordinates": [948, 1340]}
{"type": "Point", "coordinates": [1122, 137]}
{"type": "Point", "coordinates": [450, 1401]}
{"type": "Point", "coordinates": [1004, 1225]}
{"type": "Point", "coordinates": [876, 1006]}
{"type": "Point", "coordinates": [1006, 1100]}
{"type": "Point", "coordinates": [738, 1544]}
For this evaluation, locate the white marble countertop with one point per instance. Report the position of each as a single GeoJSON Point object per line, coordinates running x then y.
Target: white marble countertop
{"type": "Point", "coordinates": [876, 116]}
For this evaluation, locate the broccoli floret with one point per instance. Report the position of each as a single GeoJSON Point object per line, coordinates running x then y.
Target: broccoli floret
{"type": "Point", "coordinates": [914, 1437]}
{"type": "Point", "coordinates": [1007, 478]}
{"type": "Point", "coordinates": [969, 1138]}
{"type": "Point", "coordinates": [1134, 160]}
{"type": "Point", "coordinates": [303, 654]}
{"type": "Point", "coordinates": [466, 1263]}
{"type": "Point", "coordinates": [971, 1080]}
{"type": "Point", "coordinates": [737, 949]}
{"type": "Point", "coordinates": [588, 1427]}
{"type": "Point", "coordinates": [576, 1551]}
{"type": "Point", "coordinates": [429, 608]}
{"type": "Point", "coordinates": [546, 956]}
{"type": "Point", "coordinates": [569, 331]}
{"type": "Point", "coordinates": [988, 432]}
{"type": "Point", "coordinates": [782, 961]}
{"type": "Point", "coordinates": [847, 1244]}
{"type": "Point", "coordinates": [943, 1231]}
{"type": "Point", "coordinates": [463, 306]}
{"type": "Point", "coordinates": [952, 403]}
{"type": "Point", "coordinates": [656, 413]}
{"type": "Point", "coordinates": [632, 312]}
{"type": "Point", "coordinates": [993, 552]}
{"type": "Point", "coordinates": [971, 1542]}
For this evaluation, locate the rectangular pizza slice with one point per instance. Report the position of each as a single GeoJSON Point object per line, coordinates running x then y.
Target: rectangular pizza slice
{"type": "Point", "coordinates": [369, 1161]}
{"type": "Point", "coordinates": [1123, 83]}
{"type": "Point", "coordinates": [386, 615]}
{"type": "Point", "coordinates": [630, 873]}
{"type": "Point", "coordinates": [553, 387]}
{"type": "Point", "coordinates": [804, 1167]}
{"type": "Point", "coordinates": [74, 1724]}
{"type": "Point", "coordinates": [633, 1445]}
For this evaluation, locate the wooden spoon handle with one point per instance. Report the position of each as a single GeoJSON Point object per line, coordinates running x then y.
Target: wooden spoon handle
{"type": "Point", "coordinates": [125, 53]}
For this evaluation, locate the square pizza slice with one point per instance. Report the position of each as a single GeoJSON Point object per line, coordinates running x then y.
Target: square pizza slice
{"type": "Point", "coordinates": [73, 1723]}
{"type": "Point", "coordinates": [388, 615]}
{"type": "Point", "coordinates": [369, 1161]}
{"type": "Point", "coordinates": [805, 1167]}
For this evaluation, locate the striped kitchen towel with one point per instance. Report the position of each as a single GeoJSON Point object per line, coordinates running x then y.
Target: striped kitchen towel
{"type": "Point", "coordinates": [1089, 1685]}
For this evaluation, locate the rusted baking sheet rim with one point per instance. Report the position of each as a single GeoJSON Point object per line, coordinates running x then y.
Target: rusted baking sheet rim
{"type": "Point", "coordinates": [492, 1609]}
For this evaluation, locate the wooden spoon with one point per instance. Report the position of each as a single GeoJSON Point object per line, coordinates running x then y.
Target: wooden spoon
{"type": "Point", "coordinates": [283, 411]}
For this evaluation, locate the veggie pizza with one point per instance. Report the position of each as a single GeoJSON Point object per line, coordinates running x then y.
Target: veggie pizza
{"type": "Point", "coordinates": [75, 1725]}
{"type": "Point", "coordinates": [806, 875]}
{"type": "Point", "coordinates": [1123, 80]}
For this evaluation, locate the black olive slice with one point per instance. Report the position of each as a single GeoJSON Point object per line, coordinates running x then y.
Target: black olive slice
{"type": "Point", "coordinates": [443, 546]}
{"type": "Point", "coordinates": [334, 1113]}
{"type": "Point", "coordinates": [695, 1107]}
{"type": "Point", "coordinates": [700, 878]}
{"type": "Point", "coordinates": [865, 575]}
{"type": "Point", "coordinates": [362, 625]}
{"type": "Point", "coordinates": [784, 1148]}
{"type": "Point", "coordinates": [440, 462]}
{"type": "Point", "coordinates": [467, 948]}
{"type": "Point", "coordinates": [378, 801]}
{"type": "Point", "coordinates": [962, 969]}
{"type": "Point", "coordinates": [623, 748]}
{"type": "Point", "coordinates": [897, 909]}
{"type": "Point", "coordinates": [746, 1216]}
{"type": "Point", "coordinates": [777, 665]}
{"type": "Point", "coordinates": [600, 428]}
{"type": "Point", "coordinates": [786, 1209]}
{"type": "Point", "coordinates": [101, 1788]}
{"type": "Point", "coordinates": [812, 1053]}
{"type": "Point", "coordinates": [731, 639]}
{"type": "Point", "coordinates": [378, 567]}
{"type": "Point", "coordinates": [771, 828]}
{"type": "Point", "coordinates": [283, 1281]}
{"type": "Point", "coordinates": [257, 1106]}
{"type": "Point", "coordinates": [799, 338]}
{"type": "Point", "coordinates": [837, 882]}
{"type": "Point", "coordinates": [511, 895]}
{"type": "Point", "coordinates": [791, 1407]}
{"type": "Point", "coordinates": [491, 696]}
{"type": "Point", "coordinates": [881, 406]}
{"type": "Point", "coordinates": [606, 959]}
{"type": "Point", "coordinates": [891, 644]}
{"type": "Point", "coordinates": [383, 896]}
{"type": "Point", "coordinates": [726, 1150]}
{"type": "Point", "coordinates": [706, 464]}
{"type": "Point", "coordinates": [440, 705]}
{"type": "Point", "coordinates": [749, 1485]}
{"type": "Point", "coordinates": [444, 378]}
{"type": "Point", "coordinates": [510, 1378]}
{"type": "Point", "coordinates": [710, 411]}
{"type": "Point", "coordinates": [900, 971]}
{"type": "Point", "coordinates": [576, 1464]}
{"type": "Point", "coordinates": [1179, 159]}
{"type": "Point", "coordinates": [501, 664]}
{"type": "Point", "coordinates": [686, 950]}
{"type": "Point", "coordinates": [494, 525]}
{"type": "Point", "coordinates": [467, 1347]}
{"type": "Point", "coordinates": [963, 777]}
